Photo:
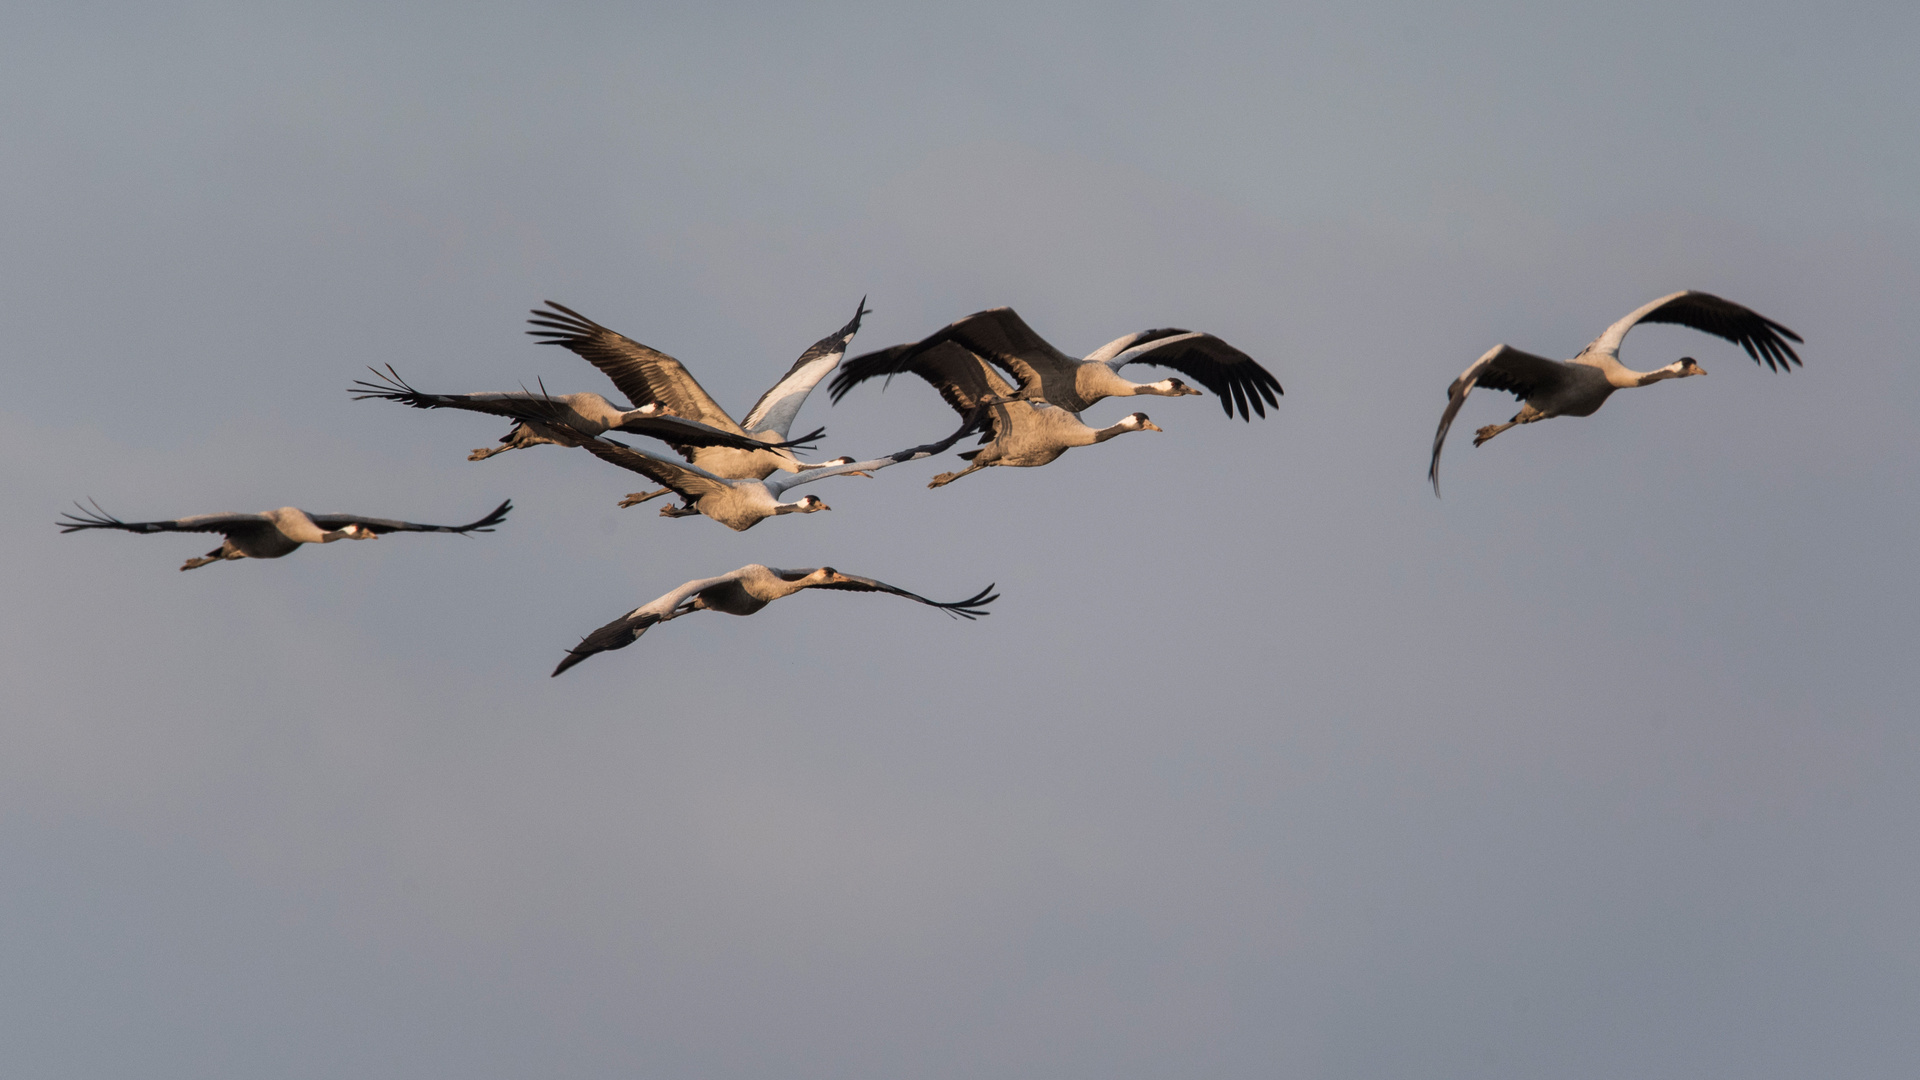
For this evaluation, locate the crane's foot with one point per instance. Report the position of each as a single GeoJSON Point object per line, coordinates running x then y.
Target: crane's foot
{"type": "Point", "coordinates": [191, 563]}
{"type": "Point", "coordinates": [678, 511]}
{"type": "Point", "coordinates": [1489, 432]}
{"type": "Point", "coordinates": [639, 497]}
{"type": "Point", "coordinates": [486, 452]}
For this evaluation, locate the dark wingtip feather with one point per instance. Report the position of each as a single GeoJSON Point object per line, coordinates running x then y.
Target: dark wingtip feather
{"type": "Point", "coordinates": [573, 657]}
{"type": "Point", "coordinates": [486, 524]}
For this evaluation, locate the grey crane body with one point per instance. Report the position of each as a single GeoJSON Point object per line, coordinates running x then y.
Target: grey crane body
{"type": "Point", "coordinates": [650, 377]}
{"type": "Point", "coordinates": [1002, 338]}
{"type": "Point", "coordinates": [1020, 433]}
{"type": "Point", "coordinates": [743, 592]}
{"type": "Point", "coordinates": [740, 504]}
{"type": "Point", "coordinates": [1028, 434]}
{"type": "Point", "coordinates": [1578, 387]}
{"type": "Point", "coordinates": [273, 534]}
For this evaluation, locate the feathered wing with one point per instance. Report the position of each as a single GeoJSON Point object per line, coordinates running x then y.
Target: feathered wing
{"type": "Point", "coordinates": [998, 335]}
{"type": "Point", "coordinates": [1001, 336]}
{"type": "Point", "coordinates": [779, 483]}
{"type": "Point", "coordinates": [971, 608]}
{"type": "Point", "coordinates": [641, 373]}
{"type": "Point", "coordinates": [1763, 339]}
{"type": "Point", "coordinates": [392, 387]}
{"type": "Point", "coordinates": [97, 518]}
{"type": "Point", "coordinates": [1233, 376]}
{"type": "Point", "coordinates": [388, 525]}
{"type": "Point", "coordinates": [779, 405]}
{"type": "Point", "coordinates": [690, 482]}
{"type": "Point", "coordinates": [678, 431]}
{"type": "Point", "coordinates": [627, 629]}
{"type": "Point", "coordinates": [962, 378]}
{"type": "Point", "coordinates": [1502, 368]}
{"type": "Point", "coordinates": [617, 634]}
{"type": "Point", "coordinates": [539, 405]}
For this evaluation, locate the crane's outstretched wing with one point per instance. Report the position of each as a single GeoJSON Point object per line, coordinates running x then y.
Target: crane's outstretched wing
{"type": "Point", "coordinates": [641, 373]}
{"type": "Point", "coordinates": [779, 405]}
{"type": "Point", "coordinates": [617, 634]}
{"type": "Point", "coordinates": [779, 483]}
{"type": "Point", "coordinates": [387, 525]}
{"type": "Point", "coordinates": [963, 379]}
{"type": "Point", "coordinates": [531, 405]}
{"type": "Point", "coordinates": [1501, 368]}
{"type": "Point", "coordinates": [688, 481]}
{"type": "Point", "coordinates": [1234, 377]}
{"type": "Point", "coordinates": [972, 607]}
{"type": "Point", "coordinates": [627, 629]}
{"type": "Point", "coordinates": [97, 518]}
{"type": "Point", "coordinates": [1764, 339]}
{"type": "Point", "coordinates": [998, 335]}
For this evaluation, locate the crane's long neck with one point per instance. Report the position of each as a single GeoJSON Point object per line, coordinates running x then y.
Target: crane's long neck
{"type": "Point", "coordinates": [1622, 377]}
{"type": "Point", "coordinates": [1134, 422]}
{"type": "Point", "coordinates": [1646, 378]}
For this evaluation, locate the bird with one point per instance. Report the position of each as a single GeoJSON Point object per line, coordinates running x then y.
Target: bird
{"type": "Point", "coordinates": [1578, 387]}
{"type": "Point", "coordinates": [1003, 338]}
{"type": "Point", "coordinates": [743, 592]}
{"type": "Point", "coordinates": [1019, 432]}
{"type": "Point", "coordinates": [648, 376]}
{"type": "Point", "coordinates": [740, 504]}
{"type": "Point", "coordinates": [272, 533]}
{"type": "Point", "coordinates": [589, 413]}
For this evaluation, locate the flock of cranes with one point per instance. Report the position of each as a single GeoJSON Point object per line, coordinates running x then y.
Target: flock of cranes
{"type": "Point", "coordinates": [1021, 394]}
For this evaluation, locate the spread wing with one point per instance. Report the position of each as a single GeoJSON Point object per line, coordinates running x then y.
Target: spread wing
{"type": "Point", "coordinates": [778, 406]}
{"type": "Point", "coordinates": [678, 431]}
{"type": "Point", "coordinates": [998, 335]}
{"type": "Point", "coordinates": [1234, 377]}
{"type": "Point", "coordinates": [962, 379]}
{"type": "Point", "coordinates": [392, 387]}
{"type": "Point", "coordinates": [971, 608]}
{"type": "Point", "coordinates": [528, 405]}
{"type": "Point", "coordinates": [1502, 368]}
{"type": "Point", "coordinates": [641, 373]}
{"type": "Point", "coordinates": [627, 629]}
{"type": "Point", "coordinates": [97, 518]}
{"type": "Point", "coordinates": [781, 482]}
{"type": "Point", "coordinates": [690, 482]}
{"type": "Point", "coordinates": [617, 634]}
{"type": "Point", "coordinates": [1764, 339]}
{"type": "Point", "coordinates": [388, 525]}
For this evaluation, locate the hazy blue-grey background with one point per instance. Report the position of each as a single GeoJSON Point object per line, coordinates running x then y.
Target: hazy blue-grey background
{"type": "Point", "coordinates": [1267, 764]}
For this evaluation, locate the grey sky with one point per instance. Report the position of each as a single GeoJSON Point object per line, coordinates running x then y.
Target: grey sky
{"type": "Point", "coordinates": [1267, 764]}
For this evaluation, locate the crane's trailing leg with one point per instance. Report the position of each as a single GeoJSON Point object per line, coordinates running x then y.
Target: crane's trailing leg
{"type": "Point", "coordinates": [639, 497]}
{"type": "Point", "coordinates": [678, 511]}
{"type": "Point", "coordinates": [946, 478]}
{"type": "Point", "coordinates": [1527, 415]}
{"type": "Point", "coordinates": [486, 452]}
{"type": "Point", "coordinates": [216, 555]}
{"type": "Point", "coordinates": [1491, 430]}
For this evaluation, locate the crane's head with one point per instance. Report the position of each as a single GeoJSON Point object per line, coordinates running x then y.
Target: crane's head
{"type": "Point", "coordinates": [1170, 388]}
{"type": "Point", "coordinates": [810, 504]}
{"type": "Point", "coordinates": [1138, 422]}
{"type": "Point", "coordinates": [1687, 365]}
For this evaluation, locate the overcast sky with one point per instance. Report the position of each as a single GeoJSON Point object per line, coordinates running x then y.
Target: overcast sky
{"type": "Point", "coordinates": [1268, 763]}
